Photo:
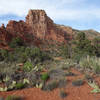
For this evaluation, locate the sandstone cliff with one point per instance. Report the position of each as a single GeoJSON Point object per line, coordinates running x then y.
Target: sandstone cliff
{"type": "Point", "coordinates": [36, 29]}
{"type": "Point", "coordinates": [43, 27]}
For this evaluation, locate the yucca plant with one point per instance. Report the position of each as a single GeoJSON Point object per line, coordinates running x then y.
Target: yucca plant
{"type": "Point", "coordinates": [95, 87]}
{"type": "Point", "coordinates": [95, 64]}
{"type": "Point", "coordinates": [91, 63]}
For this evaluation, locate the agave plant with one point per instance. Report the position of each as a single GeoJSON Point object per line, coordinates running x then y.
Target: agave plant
{"type": "Point", "coordinates": [95, 87]}
{"type": "Point", "coordinates": [39, 85]}
{"type": "Point", "coordinates": [3, 89]}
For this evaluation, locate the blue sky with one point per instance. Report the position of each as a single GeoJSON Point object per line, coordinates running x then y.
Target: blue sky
{"type": "Point", "coordinates": [79, 14]}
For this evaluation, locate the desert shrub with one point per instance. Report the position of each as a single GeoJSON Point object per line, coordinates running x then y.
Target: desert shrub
{"type": "Point", "coordinates": [22, 54]}
{"type": "Point", "coordinates": [66, 64]}
{"type": "Point", "coordinates": [96, 44]}
{"type": "Point", "coordinates": [63, 94]}
{"type": "Point", "coordinates": [78, 55]}
{"type": "Point", "coordinates": [8, 69]}
{"type": "Point", "coordinates": [4, 54]}
{"type": "Point", "coordinates": [82, 47]}
{"type": "Point", "coordinates": [92, 63]}
{"type": "Point", "coordinates": [19, 54]}
{"type": "Point", "coordinates": [2, 76]}
{"type": "Point", "coordinates": [28, 66]}
{"type": "Point", "coordinates": [13, 98]}
{"type": "Point", "coordinates": [11, 57]}
{"type": "Point", "coordinates": [16, 76]}
{"type": "Point", "coordinates": [77, 82]}
{"type": "Point", "coordinates": [51, 85]}
{"type": "Point", "coordinates": [69, 73]}
{"type": "Point", "coordinates": [19, 86]}
{"type": "Point", "coordinates": [37, 55]}
{"type": "Point", "coordinates": [62, 82]}
{"type": "Point", "coordinates": [45, 76]}
{"type": "Point", "coordinates": [89, 78]}
{"type": "Point", "coordinates": [56, 73]}
{"type": "Point", "coordinates": [85, 62]}
{"type": "Point", "coordinates": [65, 51]}
{"type": "Point", "coordinates": [32, 77]}
{"type": "Point", "coordinates": [16, 42]}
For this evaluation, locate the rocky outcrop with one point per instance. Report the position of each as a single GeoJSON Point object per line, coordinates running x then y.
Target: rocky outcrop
{"type": "Point", "coordinates": [43, 27]}
{"type": "Point", "coordinates": [37, 20]}
{"type": "Point", "coordinates": [5, 37]}
{"type": "Point", "coordinates": [22, 30]}
{"type": "Point", "coordinates": [37, 28]}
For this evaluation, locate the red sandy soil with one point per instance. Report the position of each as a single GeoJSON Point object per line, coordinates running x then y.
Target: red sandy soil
{"type": "Point", "coordinates": [74, 93]}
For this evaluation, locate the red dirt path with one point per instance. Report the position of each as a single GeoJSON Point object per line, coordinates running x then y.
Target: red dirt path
{"type": "Point", "coordinates": [74, 93]}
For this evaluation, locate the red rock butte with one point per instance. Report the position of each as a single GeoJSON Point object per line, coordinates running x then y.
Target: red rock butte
{"type": "Point", "coordinates": [37, 27]}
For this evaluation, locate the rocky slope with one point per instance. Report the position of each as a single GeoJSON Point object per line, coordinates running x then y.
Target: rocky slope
{"type": "Point", "coordinates": [37, 28]}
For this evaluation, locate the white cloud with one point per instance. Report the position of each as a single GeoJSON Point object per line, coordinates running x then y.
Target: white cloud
{"type": "Point", "coordinates": [56, 9]}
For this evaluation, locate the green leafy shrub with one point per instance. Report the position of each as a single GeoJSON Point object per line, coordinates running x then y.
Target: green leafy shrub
{"type": "Point", "coordinates": [78, 82]}
{"type": "Point", "coordinates": [28, 66]}
{"type": "Point", "coordinates": [45, 76]}
{"type": "Point", "coordinates": [96, 44]}
{"type": "Point", "coordinates": [14, 98]}
{"type": "Point", "coordinates": [82, 47]}
{"type": "Point", "coordinates": [19, 86]}
{"type": "Point", "coordinates": [65, 51]}
{"type": "Point", "coordinates": [16, 42]}
{"type": "Point", "coordinates": [4, 54]}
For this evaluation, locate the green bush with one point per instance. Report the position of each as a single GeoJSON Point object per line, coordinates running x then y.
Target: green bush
{"type": "Point", "coordinates": [4, 54]}
{"type": "Point", "coordinates": [28, 66]}
{"type": "Point", "coordinates": [82, 47]}
{"type": "Point", "coordinates": [16, 42]}
{"type": "Point", "coordinates": [13, 98]}
{"type": "Point", "coordinates": [45, 76]}
{"type": "Point", "coordinates": [19, 86]}
{"type": "Point", "coordinates": [96, 44]}
{"type": "Point", "coordinates": [66, 51]}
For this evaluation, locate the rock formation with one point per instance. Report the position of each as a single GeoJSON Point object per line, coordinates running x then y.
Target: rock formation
{"type": "Point", "coordinates": [37, 29]}
{"type": "Point", "coordinates": [43, 27]}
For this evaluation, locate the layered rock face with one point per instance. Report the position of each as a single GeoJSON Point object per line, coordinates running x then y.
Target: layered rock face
{"type": "Point", "coordinates": [5, 37]}
{"type": "Point", "coordinates": [43, 27]}
{"type": "Point", "coordinates": [37, 20]}
{"type": "Point", "coordinates": [38, 27]}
